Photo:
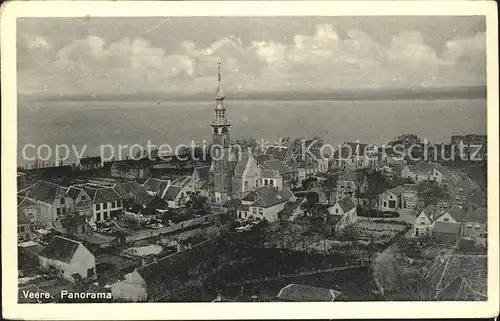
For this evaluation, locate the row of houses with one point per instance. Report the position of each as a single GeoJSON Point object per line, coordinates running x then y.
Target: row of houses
{"type": "Point", "coordinates": [451, 224]}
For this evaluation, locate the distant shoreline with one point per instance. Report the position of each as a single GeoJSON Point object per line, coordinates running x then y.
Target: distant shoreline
{"type": "Point", "coordinates": [461, 93]}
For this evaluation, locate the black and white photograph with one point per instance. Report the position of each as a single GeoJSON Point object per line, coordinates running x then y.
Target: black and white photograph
{"type": "Point", "coordinates": [236, 158]}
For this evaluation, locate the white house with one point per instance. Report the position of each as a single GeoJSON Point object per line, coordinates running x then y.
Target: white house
{"type": "Point", "coordinates": [52, 201]}
{"type": "Point", "coordinates": [271, 178]}
{"type": "Point", "coordinates": [347, 185]}
{"type": "Point", "coordinates": [425, 172]}
{"type": "Point", "coordinates": [178, 192]}
{"type": "Point", "coordinates": [423, 223]}
{"type": "Point", "coordinates": [132, 288]}
{"type": "Point", "coordinates": [266, 202]}
{"type": "Point", "coordinates": [82, 202]}
{"type": "Point", "coordinates": [344, 212]}
{"type": "Point", "coordinates": [71, 258]}
{"type": "Point", "coordinates": [390, 199]}
{"type": "Point", "coordinates": [104, 201]}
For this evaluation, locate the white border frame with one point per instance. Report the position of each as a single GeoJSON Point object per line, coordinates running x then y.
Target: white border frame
{"type": "Point", "coordinates": [189, 311]}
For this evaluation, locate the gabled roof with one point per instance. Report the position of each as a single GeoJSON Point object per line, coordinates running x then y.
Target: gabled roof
{"type": "Point", "coordinates": [307, 293]}
{"type": "Point", "coordinates": [396, 190]}
{"type": "Point", "coordinates": [202, 172]}
{"type": "Point", "coordinates": [455, 291]}
{"type": "Point", "coordinates": [268, 173]}
{"type": "Point", "coordinates": [182, 181]}
{"type": "Point", "coordinates": [268, 196]}
{"type": "Point", "coordinates": [456, 212]}
{"type": "Point", "coordinates": [446, 228]}
{"type": "Point", "coordinates": [473, 268]}
{"type": "Point", "coordinates": [172, 192]}
{"type": "Point", "coordinates": [242, 163]}
{"type": "Point", "coordinates": [60, 249]}
{"type": "Point", "coordinates": [431, 212]}
{"type": "Point", "coordinates": [24, 202]}
{"type": "Point", "coordinates": [137, 191]}
{"type": "Point", "coordinates": [232, 203]}
{"type": "Point", "coordinates": [479, 215]}
{"type": "Point", "coordinates": [175, 188]}
{"type": "Point", "coordinates": [101, 194]}
{"type": "Point", "coordinates": [73, 192]}
{"type": "Point", "coordinates": [155, 185]}
{"type": "Point", "coordinates": [45, 191]}
{"type": "Point", "coordinates": [277, 165]}
{"type": "Point", "coordinates": [346, 204]}
{"type": "Point", "coordinates": [290, 206]}
{"type": "Point", "coordinates": [263, 158]}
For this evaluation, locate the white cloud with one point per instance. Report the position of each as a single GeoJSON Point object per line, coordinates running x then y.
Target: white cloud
{"type": "Point", "coordinates": [322, 59]}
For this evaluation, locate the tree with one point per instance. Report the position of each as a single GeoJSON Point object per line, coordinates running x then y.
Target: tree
{"type": "Point", "coordinates": [396, 181]}
{"type": "Point", "coordinates": [431, 193]}
{"type": "Point", "coordinates": [121, 168]}
{"type": "Point", "coordinates": [376, 186]}
{"type": "Point", "coordinates": [329, 186]}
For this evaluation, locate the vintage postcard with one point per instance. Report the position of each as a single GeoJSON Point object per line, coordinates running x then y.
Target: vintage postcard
{"type": "Point", "coordinates": [245, 160]}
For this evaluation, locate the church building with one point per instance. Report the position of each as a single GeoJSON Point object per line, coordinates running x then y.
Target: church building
{"type": "Point", "coordinates": [233, 177]}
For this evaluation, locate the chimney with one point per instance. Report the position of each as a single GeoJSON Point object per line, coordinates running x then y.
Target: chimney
{"type": "Point", "coordinates": [143, 261]}
{"type": "Point", "coordinates": [178, 247]}
{"type": "Point", "coordinates": [155, 259]}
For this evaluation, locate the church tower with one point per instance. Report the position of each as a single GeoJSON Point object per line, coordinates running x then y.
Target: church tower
{"type": "Point", "coordinates": [220, 170]}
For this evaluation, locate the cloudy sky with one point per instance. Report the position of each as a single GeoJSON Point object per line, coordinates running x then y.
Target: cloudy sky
{"type": "Point", "coordinates": [113, 56]}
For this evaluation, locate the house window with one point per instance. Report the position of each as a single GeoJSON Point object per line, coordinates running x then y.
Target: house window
{"type": "Point", "coordinates": [261, 211]}
{"type": "Point", "coordinates": [98, 207]}
{"type": "Point", "coordinates": [445, 186]}
{"type": "Point", "coordinates": [477, 227]}
{"type": "Point", "coordinates": [469, 226]}
{"type": "Point", "coordinates": [62, 201]}
{"type": "Point", "coordinates": [460, 189]}
{"type": "Point", "coordinates": [246, 185]}
{"type": "Point", "coordinates": [22, 229]}
{"type": "Point", "coordinates": [265, 182]}
{"type": "Point", "coordinates": [271, 181]}
{"type": "Point", "coordinates": [80, 212]}
{"type": "Point", "coordinates": [58, 211]}
{"type": "Point", "coordinates": [446, 219]}
{"type": "Point", "coordinates": [457, 197]}
{"type": "Point", "coordinates": [87, 211]}
{"type": "Point", "coordinates": [385, 203]}
{"type": "Point", "coordinates": [336, 211]}
{"type": "Point", "coordinates": [84, 197]}
{"type": "Point", "coordinates": [98, 217]}
{"type": "Point", "coordinates": [104, 206]}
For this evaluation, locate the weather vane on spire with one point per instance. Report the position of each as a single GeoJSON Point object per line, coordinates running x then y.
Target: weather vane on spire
{"type": "Point", "coordinates": [220, 93]}
{"type": "Point", "coordinates": [218, 66]}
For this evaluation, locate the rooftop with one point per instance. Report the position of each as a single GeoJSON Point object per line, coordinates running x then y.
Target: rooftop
{"type": "Point", "coordinates": [302, 293]}
{"type": "Point", "coordinates": [60, 249]}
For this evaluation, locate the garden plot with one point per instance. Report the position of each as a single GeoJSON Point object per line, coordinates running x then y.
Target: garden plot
{"type": "Point", "coordinates": [378, 230]}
